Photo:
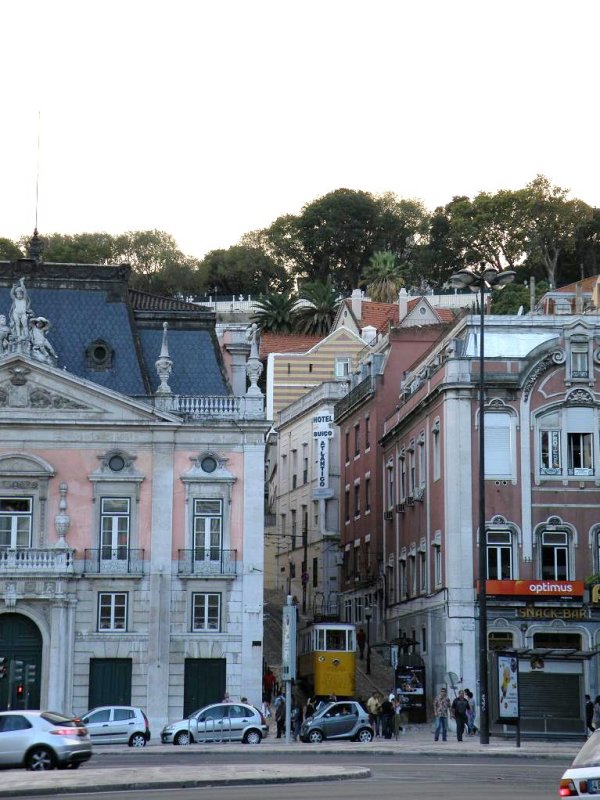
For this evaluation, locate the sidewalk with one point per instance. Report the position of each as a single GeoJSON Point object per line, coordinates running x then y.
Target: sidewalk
{"type": "Point", "coordinates": [418, 740]}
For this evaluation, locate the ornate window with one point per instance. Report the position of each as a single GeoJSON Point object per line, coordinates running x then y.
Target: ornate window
{"type": "Point", "coordinates": [115, 523]}
{"type": "Point", "coordinates": [99, 356]}
{"type": "Point", "coordinates": [15, 522]}
{"type": "Point", "coordinates": [499, 445]}
{"type": "Point", "coordinates": [554, 555]}
{"type": "Point", "coordinates": [499, 555]}
{"type": "Point", "coordinates": [208, 530]}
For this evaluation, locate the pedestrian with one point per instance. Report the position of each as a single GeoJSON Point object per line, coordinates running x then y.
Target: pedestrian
{"type": "Point", "coordinates": [441, 704]}
{"type": "Point", "coordinates": [309, 708]}
{"type": "Point", "coordinates": [226, 698]}
{"type": "Point", "coordinates": [280, 714]}
{"type": "Point", "coordinates": [596, 714]}
{"type": "Point", "coordinates": [589, 714]}
{"type": "Point", "coordinates": [374, 709]}
{"type": "Point", "coordinates": [361, 640]}
{"type": "Point", "coordinates": [387, 718]}
{"type": "Point", "coordinates": [296, 719]}
{"type": "Point", "coordinates": [268, 685]}
{"type": "Point", "coordinates": [471, 728]}
{"type": "Point", "coordinates": [460, 709]}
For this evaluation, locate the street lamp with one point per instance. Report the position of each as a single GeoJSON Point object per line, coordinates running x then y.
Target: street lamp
{"type": "Point", "coordinates": [483, 276]}
{"type": "Point", "coordinates": [368, 615]}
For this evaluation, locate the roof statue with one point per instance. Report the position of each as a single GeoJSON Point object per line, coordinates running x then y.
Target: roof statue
{"type": "Point", "coordinates": [25, 333]}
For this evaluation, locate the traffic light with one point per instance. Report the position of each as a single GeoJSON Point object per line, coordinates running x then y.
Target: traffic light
{"type": "Point", "coordinates": [16, 672]}
{"type": "Point", "coordinates": [30, 674]}
{"type": "Point", "coordinates": [3, 667]}
{"type": "Point", "coordinates": [20, 690]}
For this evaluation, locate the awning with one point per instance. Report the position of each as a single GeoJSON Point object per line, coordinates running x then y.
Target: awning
{"type": "Point", "coordinates": [566, 653]}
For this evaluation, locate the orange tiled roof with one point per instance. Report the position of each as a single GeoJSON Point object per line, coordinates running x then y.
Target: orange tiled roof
{"type": "Point", "coordinates": [286, 343]}
{"type": "Point", "coordinates": [587, 285]}
{"type": "Point", "coordinates": [376, 314]}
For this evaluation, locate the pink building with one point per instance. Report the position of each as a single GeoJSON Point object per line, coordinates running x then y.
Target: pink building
{"type": "Point", "coordinates": [131, 497]}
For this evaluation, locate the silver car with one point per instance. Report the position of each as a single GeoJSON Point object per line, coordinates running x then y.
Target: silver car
{"type": "Point", "coordinates": [346, 719]}
{"type": "Point", "coordinates": [42, 740]}
{"type": "Point", "coordinates": [118, 725]}
{"type": "Point", "coordinates": [221, 722]}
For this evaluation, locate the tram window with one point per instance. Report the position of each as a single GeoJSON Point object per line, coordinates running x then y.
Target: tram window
{"type": "Point", "coordinates": [320, 637]}
{"type": "Point", "coordinates": [336, 640]}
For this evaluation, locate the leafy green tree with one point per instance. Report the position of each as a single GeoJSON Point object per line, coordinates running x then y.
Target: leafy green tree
{"type": "Point", "coordinates": [242, 270]}
{"type": "Point", "coordinates": [552, 224]}
{"type": "Point", "coordinates": [514, 296]}
{"type": "Point", "coordinates": [78, 248]}
{"type": "Point", "coordinates": [318, 315]}
{"type": "Point", "coordinates": [275, 313]}
{"type": "Point", "coordinates": [384, 277]}
{"type": "Point", "coordinates": [9, 250]}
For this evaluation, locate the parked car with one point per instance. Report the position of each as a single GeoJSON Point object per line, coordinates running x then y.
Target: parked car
{"type": "Point", "coordinates": [346, 719]}
{"type": "Point", "coordinates": [230, 722]}
{"type": "Point", "coordinates": [42, 740]}
{"type": "Point", "coordinates": [582, 779]}
{"type": "Point", "coordinates": [118, 725]}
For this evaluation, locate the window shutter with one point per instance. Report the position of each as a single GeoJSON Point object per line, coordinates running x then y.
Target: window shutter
{"type": "Point", "coordinates": [580, 420]}
{"type": "Point", "coordinates": [498, 445]}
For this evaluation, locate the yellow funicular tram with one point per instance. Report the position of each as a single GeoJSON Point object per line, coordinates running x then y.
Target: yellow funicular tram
{"type": "Point", "coordinates": [327, 659]}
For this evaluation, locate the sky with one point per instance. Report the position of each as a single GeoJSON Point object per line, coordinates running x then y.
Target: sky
{"type": "Point", "coordinates": [211, 119]}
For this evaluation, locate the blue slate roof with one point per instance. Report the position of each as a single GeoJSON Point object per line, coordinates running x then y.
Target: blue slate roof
{"type": "Point", "coordinates": [196, 370]}
{"type": "Point", "coordinates": [80, 317]}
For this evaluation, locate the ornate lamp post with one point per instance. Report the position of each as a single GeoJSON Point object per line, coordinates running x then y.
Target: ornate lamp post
{"type": "Point", "coordinates": [368, 615]}
{"type": "Point", "coordinates": [478, 279]}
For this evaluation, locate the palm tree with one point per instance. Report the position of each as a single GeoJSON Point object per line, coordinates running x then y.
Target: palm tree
{"type": "Point", "coordinates": [317, 317]}
{"type": "Point", "coordinates": [275, 313]}
{"type": "Point", "coordinates": [384, 277]}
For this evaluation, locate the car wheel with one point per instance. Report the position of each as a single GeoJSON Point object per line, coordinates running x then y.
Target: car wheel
{"type": "Point", "coordinates": [315, 736]}
{"type": "Point", "coordinates": [364, 735]}
{"type": "Point", "coordinates": [40, 758]}
{"type": "Point", "coordinates": [137, 740]}
{"type": "Point", "coordinates": [183, 738]}
{"type": "Point", "coordinates": [252, 737]}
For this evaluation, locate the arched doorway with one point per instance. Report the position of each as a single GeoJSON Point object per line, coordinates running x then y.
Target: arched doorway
{"type": "Point", "coordinates": [21, 646]}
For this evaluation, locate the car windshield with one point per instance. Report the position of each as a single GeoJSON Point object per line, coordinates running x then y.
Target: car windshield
{"type": "Point", "coordinates": [589, 755]}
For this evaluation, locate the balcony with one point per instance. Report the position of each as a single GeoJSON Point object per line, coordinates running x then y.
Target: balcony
{"type": "Point", "coordinates": [26, 560]}
{"type": "Point", "coordinates": [114, 561]}
{"type": "Point", "coordinates": [207, 562]}
{"type": "Point", "coordinates": [202, 407]}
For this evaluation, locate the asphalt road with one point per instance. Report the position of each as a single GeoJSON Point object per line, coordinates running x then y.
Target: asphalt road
{"type": "Point", "coordinates": [412, 776]}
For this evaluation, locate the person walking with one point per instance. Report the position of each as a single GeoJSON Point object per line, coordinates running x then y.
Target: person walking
{"type": "Point", "coordinates": [471, 728]}
{"type": "Point", "coordinates": [596, 714]}
{"type": "Point", "coordinates": [460, 709]}
{"type": "Point", "coordinates": [296, 720]}
{"type": "Point", "coordinates": [387, 718]}
{"type": "Point", "coordinates": [361, 640]}
{"type": "Point", "coordinates": [441, 704]}
{"type": "Point", "coordinates": [589, 715]}
{"type": "Point", "coordinates": [374, 709]}
{"type": "Point", "coordinates": [280, 715]}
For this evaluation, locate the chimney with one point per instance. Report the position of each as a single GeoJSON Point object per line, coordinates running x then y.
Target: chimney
{"type": "Point", "coordinates": [356, 299]}
{"type": "Point", "coordinates": [368, 334]}
{"type": "Point", "coordinates": [596, 294]}
{"type": "Point", "coordinates": [402, 304]}
{"type": "Point", "coordinates": [578, 299]}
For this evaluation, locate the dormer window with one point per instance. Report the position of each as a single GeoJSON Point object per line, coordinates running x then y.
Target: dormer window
{"type": "Point", "coordinates": [99, 356]}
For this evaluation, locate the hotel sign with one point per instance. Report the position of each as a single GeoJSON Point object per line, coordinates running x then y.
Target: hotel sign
{"type": "Point", "coordinates": [322, 434]}
{"type": "Point", "coordinates": [540, 590]}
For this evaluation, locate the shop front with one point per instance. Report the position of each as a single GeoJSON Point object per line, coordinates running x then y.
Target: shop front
{"type": "Point", "coordinates": [550, 631]}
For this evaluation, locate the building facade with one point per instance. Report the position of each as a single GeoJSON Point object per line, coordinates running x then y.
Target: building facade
{"type": "Point", "coordinates": [542, 423]}
{"type": "Point", "coordinates": [131, 497]}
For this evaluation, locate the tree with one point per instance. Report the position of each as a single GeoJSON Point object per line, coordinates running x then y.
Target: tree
{"type": "Point", "coordinates": [384, 278]}
{"type": "Point", "coordinates": [317, 317]}
{"type": "Point", "coordinates": [79, 248]}
{"type": "Point", "coordinates": [515, 295]}
{"type": "Point", "coordinates": [275, 313]}
{"type": "Point", "coordinates": [552, 223]}
{"type": "Point", "coordinates": [9, 250]}
{"type": "Point", "coordinates": [242, 270]}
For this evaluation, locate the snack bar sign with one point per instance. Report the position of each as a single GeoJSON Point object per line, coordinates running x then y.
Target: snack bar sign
{"type": "Point", "coordinates": [322, 434]}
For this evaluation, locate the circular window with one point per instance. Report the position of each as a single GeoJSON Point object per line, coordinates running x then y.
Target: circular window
{"type": "Point", "coordinates": [116, 463]}
{"type": "Point", "coordinates": [99, 353]}
{"type": "Point", "coordinates": [422, 310]}
{"type": "Point", "coordinates": [208, 464]}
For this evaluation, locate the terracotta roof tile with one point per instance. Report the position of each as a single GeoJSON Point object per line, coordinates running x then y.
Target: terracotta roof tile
{"type": "Point", "coordinates": [587, 285]}
{"type": "Point", "coordinates": [286, 343]}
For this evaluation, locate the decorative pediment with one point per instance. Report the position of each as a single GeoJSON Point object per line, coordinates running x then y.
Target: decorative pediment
{"type": "Point", "coordinates": [17, 465]}
{"type": "Point", "coordinates": [208, 467]}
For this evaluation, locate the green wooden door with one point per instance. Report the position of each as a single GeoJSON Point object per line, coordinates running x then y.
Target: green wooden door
{"type": "Point", "coordinates": [204, 682]}
{"type": "Point", "coordinates": [20, 641]}
{"type": "Point", "coordinates": [110, 682]}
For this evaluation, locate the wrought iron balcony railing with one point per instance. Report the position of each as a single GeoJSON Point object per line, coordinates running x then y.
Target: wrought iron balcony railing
{"type": "Point", "coordinates": [114, 561]}
{"type": "Point", "coordinates": [49, 560]}
{"type": "Point", "coordinates": [207, 562]}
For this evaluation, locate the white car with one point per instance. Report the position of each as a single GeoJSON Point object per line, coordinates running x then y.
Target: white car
{"type": "Point", "coordinates": [582, 779]}
{"type": "Point", "coordinates": [41, 740]}
{"type": "Point", "coordinates": [118, 725]}
{"type": "Point", "coordinates": [220, 722]}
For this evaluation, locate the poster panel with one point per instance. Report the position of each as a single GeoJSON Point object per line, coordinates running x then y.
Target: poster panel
{"type": "Point", "coordinates": [508, 687]}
